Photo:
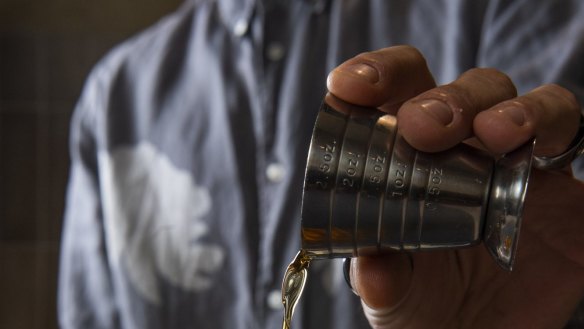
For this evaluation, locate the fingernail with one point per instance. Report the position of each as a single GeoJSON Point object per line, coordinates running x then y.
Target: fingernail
{"type": "Point", "coordinates": [516, 115]}
{"type": "Point", "coordinates": [438, 110]}
{"type": "Point", "coordinates": [363, 71]}
{"type": "Point", "coordinates": [347, 274]}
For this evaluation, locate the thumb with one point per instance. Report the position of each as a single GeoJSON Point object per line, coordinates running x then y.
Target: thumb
{"type": "Point", "coordinates": [382, 282]}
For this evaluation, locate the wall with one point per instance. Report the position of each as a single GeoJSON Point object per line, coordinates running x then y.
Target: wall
{"type": "Point", "coordinates": [46, 50]}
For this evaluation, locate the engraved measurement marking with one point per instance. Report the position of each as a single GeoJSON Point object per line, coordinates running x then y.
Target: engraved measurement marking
{"type": "Point", "coordinates": [430, 206]}
{"type": "Point", "coordinates": [351, 170]}
{"type": "Point", "coordinates": [378, 165]}
{"type": "Point", "coordinates": [327, 156]}
{"type": "Point", "coordinates": [325, 167]}
{"type": "Point", "coordinates": [436, 176]}
{"type": "Point", "coordinates": [399, 180]}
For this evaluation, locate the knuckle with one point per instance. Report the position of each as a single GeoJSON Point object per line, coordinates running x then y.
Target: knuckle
{"type": "Point", "coordinates": [555, 112]}
{"type": "Point", "coordinates": [408, 52]}
{"type": "Point", "coordinates": [529, 106]}
{"type": "Point", "coordinates": [494, 77]}
{"type": "Point", "coordinates": [449, 93]}
{"type": "Point", "coordinates": [412, 51]}
{"type": "Point", "coordinates": [456, 96]}
{"type": "Point", "coordinates": [398, 63]}
{"type": "Point", "coordinates": [403, 49]}
{"type": "Point", "coordinates": [553, 103]}
{"type": "Point", "coordinates": [561, 94]}
{"type": "Point", "coordinates": [368, 55]}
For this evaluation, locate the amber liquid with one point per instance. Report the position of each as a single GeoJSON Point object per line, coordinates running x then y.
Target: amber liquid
{"type": "Point", "coordinates": [293, 285]}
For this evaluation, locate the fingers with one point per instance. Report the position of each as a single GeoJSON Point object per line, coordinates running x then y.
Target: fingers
{"type": "Point", "coordinates": [384, 78]}
{"type": "Point", "coordinates": [382, 281]}
{"type": "Point", "coordinates": [432, 119]}
{"type": "Point", "coordinates": [481, 103]}
{"type": "Point", "coordinates": [549, 113]}
{"type": "Point", "coordinates": [400, 290]}
{"type": "Point", "coordinates": [442, 117]}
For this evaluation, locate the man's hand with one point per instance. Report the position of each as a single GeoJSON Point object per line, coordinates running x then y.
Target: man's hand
{"type": "Point", "coordinates": [465, 288]}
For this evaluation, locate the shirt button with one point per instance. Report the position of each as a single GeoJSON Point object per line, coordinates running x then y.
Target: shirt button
{"type": "Point", "coordinates": [275, 51]}
{"type": "Point", "coordinates": [240, 27]}
{"type": "Point", "coordinates": [275, 172]}
{"type": "Point", "coordinates": [275, 300]}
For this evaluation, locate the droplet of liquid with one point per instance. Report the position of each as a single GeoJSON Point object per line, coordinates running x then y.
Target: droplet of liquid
{"type": "Point", "coordinates": [293, 285]}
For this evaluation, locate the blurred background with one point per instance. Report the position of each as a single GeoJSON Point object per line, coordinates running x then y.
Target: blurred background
{"type": "Point", "coordinates": [47, 48]}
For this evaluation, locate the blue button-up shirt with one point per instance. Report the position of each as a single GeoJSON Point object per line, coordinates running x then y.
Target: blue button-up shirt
{"type": "Point", "coordinates": [190, 140]}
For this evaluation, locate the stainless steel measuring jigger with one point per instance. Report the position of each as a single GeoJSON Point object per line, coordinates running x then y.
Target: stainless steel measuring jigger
{"type": "Point", "coordinates": [367, 191]}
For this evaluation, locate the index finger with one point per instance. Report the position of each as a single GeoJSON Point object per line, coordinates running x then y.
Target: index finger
{"type": "Point", "coordinates": [385, 78]}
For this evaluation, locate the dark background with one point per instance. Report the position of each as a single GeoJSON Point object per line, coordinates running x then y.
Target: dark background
{"type": "Point", "coordinates": [47, 48]}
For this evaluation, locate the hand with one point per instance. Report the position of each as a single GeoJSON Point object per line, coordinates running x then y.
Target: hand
{"type": "Point", "coordinates": [465, 288]}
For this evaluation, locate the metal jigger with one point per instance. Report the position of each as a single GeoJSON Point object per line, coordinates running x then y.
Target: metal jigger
{"type": "Point", "coordinates": [367, 191]}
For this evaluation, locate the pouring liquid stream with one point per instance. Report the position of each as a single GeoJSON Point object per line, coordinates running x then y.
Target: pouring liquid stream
{"type": "Point", "coordinates": [293, 285]}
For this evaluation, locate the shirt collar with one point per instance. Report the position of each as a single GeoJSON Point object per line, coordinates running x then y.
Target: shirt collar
{"type": "Point", "coordinates": [236, 14]}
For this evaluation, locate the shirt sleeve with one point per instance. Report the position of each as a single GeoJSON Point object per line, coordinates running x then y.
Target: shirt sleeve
{"type": "Point", "coordinates": [85, 296]}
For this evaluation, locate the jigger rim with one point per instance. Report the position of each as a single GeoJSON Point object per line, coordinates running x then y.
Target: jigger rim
{"type": "Point", "coordinates": [506, 203]}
